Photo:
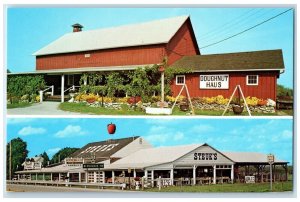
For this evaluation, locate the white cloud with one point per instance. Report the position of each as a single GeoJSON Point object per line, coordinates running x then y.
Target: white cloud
{"type": "Point", "coordinates": [287, 134]}
{"type": "Point", "coordinates": [178, 136]}
{"type": "Point", "coordinates": [14, 121]}
{"type": "Point", "coordinates": [202, 128]}
{"type": "Point", "coordinates": [31, 131]}
{"type": "Point", "coordinates": [52, 151]}
{"type": "Point", "coordinates": [70, 131]}
{"type": "Point", "coordinates": [161, 135]}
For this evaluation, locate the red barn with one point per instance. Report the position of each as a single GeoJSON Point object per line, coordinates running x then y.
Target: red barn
{"type": "Point", "coordinates": [218, 74]}
{"type": "Point", "coordinates": [128, 47]}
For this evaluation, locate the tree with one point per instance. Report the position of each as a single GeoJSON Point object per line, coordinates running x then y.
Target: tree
{"type": "Point", "coordinates": [18, 155]}
{"type": "Point", "coordinates": [18, 86]}
{"type": "Point", "coordinates": [62, 154]}
{"type": "Point", "coordinates": [284, 91]}
{"type": "Point", "coordinates": [46, 158]}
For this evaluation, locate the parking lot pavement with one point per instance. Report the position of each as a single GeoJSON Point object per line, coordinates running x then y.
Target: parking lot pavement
{"type": "Point", "coordinates": [45, 108]}
{"type": "Point", "coordinates": [33, 188]}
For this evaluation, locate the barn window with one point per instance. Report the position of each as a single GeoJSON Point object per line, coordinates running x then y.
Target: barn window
{"type": "Point", "coordinates": [87, 55]}
{"type": "Point", "coordinates": [180, 79]}
{"type": "Point", "coordinates": [252, 80]}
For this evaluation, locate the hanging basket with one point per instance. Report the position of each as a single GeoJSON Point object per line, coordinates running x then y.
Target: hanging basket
{"type": "Point", "coordinates": [237, 109]}
{"type": "Point", "coordinates": [184, 107]}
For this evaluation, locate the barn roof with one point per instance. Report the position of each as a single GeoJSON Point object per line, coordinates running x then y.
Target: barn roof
{"type": "Point", "coordinates": [102, 150]}
{"type": "Point", "coordinates": [250, 157]}
{"type": "Point", "coordinates": [148, 33]}
{"type": "Point", "coordinates": [153, 156]}
{"type": "Point", "coordinates": [240, 61]}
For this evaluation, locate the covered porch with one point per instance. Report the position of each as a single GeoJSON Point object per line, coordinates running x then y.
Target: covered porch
{"type": "Point", "coordinates": [61, 81]}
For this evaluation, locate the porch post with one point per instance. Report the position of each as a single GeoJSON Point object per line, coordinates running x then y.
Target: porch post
{"type": "Point", "coordinates": [79, 176]}
{"type": "Point", "coordinates": [43, 176]}
{"type": "Point", "coordinates": [113, 177]}
{"type": "Point", "coordinates": [62, 87]}
{"type": "Point", "coordinates": [214, 176]}
{"type": "Point", "coordinates": [51, 177]}
{"type": "Point", "coordinates": [152, 178]}
{"type": "Point", "coordinates": [232, 173]}
{"type": "Point", "coordinates": [172, 176]}
{"type": "Point", "coordinates": [18, 176]}
{"type": "Point", "coordinates": [194, 175]}
{"type": "Point", "coordinates": [134, 173]}
{"type": "Point", "coordinates": [36, 176]}
{"type": "Point", "coordinates": [59, 177]}
{"type": "Point", "coordinates": [146, 174]}
{"type": "Point", "coordinates": [162, 86]}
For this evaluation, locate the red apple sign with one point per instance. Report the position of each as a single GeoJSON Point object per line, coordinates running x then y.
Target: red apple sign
{"type": "Point", "coordinates": [111, 128]}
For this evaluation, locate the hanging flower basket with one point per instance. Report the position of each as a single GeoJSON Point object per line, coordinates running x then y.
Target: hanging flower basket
{"type": "Point", "coordinates": [237, 109]}
{"type": "Point", "coordinates": [184, 107]}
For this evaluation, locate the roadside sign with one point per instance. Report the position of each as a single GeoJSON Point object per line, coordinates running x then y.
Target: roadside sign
{"type": "Point", "coordinates": [91, 165]}
{"type": "Point", "coordinates": [271, 158]}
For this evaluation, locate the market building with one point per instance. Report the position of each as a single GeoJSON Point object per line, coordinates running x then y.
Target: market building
{"type": "Point", "coordinates": [115, 161]}
{"type": "Point", "coordinates": [128, 47]}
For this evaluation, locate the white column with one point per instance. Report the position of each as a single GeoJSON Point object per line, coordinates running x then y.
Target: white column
{"type": "Point", "coordinates": [232, 173]}
{"type": "Point", "coordinates": [172, 176]}
{"type": "Point", "coordinates": [59, 177]}
{"type": "Point", "coordinates": [134, 173]}
{"type": "Point", "coordinates": [79, 177]}
{"type": "Point", "coordinates": [68, 175]}
{"type": "Point", "coordinates": [103, 176]}
{"type": "Point", "coordinates": [18, 176]}
{"type": "Point", "coordinates": [113, 177]}
{"type": "Point", "coordinates": [62, 87]}
{"type": "Point", "coordinates": [85, 81]}
{"type": "Point", "coordinates": [95, 176]}
{"type": "Point", "coordinates": [214, 176]}
{"type": "Point", "coordinates": [86, 176]}
{"type": "Point", "coordinates": [41, 96]}
{"type": "Point", "coordinates": [194, 175]}
{"type": "Point", "coordinates": [146, 174]}
{"type": "Point", "coordinates": [51, 177]}
{"type": "Point", "coordinates": [152, 178]}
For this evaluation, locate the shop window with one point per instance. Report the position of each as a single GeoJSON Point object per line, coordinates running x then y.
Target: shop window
{"type": "Point", "coordinates": [180, 79]}
{"type": "Point", "coordinates": [70, 80]}
{"type": "Point", "coordinates": [252, 80]}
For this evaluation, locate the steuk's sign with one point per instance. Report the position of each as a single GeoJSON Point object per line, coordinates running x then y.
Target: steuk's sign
{"type": "Point", "coordinates": [219, 81]}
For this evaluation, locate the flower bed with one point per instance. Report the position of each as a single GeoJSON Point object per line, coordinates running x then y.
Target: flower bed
{"type": "Point", "coordinates": [217, 103]}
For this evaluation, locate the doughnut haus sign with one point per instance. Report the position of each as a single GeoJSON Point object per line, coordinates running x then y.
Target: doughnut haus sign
{"type": "Point", "coordinates": [218, 81]}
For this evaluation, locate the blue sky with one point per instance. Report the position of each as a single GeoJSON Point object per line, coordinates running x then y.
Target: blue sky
{"type": "Point", "coordinates": [249, 135]}
{"type": "Point", "coordinates": [29, 29]}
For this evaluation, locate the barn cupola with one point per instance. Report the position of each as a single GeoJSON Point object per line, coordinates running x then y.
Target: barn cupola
{"type": "Point", "coordinates": [77, 27]}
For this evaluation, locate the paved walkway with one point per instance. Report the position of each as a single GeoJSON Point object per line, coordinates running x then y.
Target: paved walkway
{"type": "Point", "coordinates": [45, 108]}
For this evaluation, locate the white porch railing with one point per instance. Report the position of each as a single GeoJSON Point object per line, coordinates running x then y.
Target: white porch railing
{"type": "Point", "coordinates": [71, 88]}
{"type": "Point", "coordinates": [42, 92]}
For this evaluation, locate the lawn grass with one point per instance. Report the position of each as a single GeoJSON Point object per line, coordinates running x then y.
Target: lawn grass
{"type": "Point", "coordinates": [18, 105]}
{"type": "Point", "coordinates": [258, 187]}
{"type": "Point", "coordinates": [84, 109]}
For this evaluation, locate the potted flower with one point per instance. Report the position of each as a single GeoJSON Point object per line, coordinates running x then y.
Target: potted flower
{"type": "Point", "coordinates": [72, 93]}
